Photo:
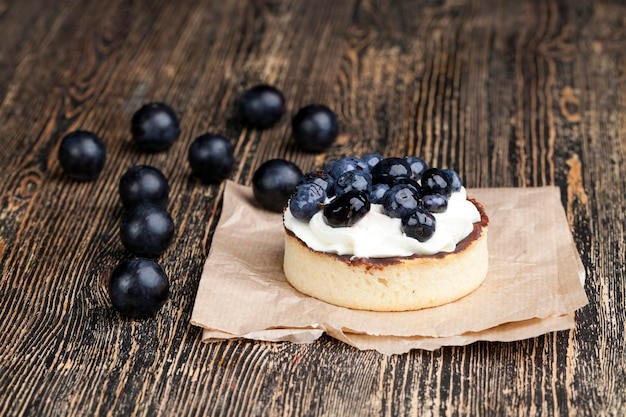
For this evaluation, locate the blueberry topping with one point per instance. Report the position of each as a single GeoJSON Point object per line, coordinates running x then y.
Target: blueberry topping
{"type": "Point", "coordinates": [147, 230]}
{"type": "Point", "coordinates": [371, 159]}
{"type": "Point", "coordinates": [353, 180]}
{"type": "Point", "coordinates": [321, 178]}
{"type": "Point", "coordinates": [143, 184]}
{"type": "Point", "coordinates": [400, 201]}
{"type": "Point", "coordinates": [435, 203]}
{"type": "Point", "coordinates": [408, 181]}
{"type": "Point", "coordinates": [274, 182]}
{"type": "Point", "coordinates": [378, 192]}
{"type": "Point", "coordinates": [347, 209]}
{"type": "Point", "coordinates": [348, 163]}
{"type": "Point", "coordinates": [211, 158]}
{"type": "Point", "coordinates": [418, 166]}
{"type": "Point", "coordinates": [155, 127]}
{"type": "Point", "coordinates": [315, 128]}
{"type": "Point", "coordinates": [435, 181]}
{"type": "Point", "coordinates": [307, 201]}
{"type": "Point", "coordinates": [138, 288]}
{"type": "Point", "coordinates": [262, 106]}
{"type": "Point", "coordinates": [454, 179]}
{"type": "Point", "coordinates": [387, 170]}
{"type": "Point", "coordinates": [419, 225]}
{"type": "Point", "coordinates": [82, 155]}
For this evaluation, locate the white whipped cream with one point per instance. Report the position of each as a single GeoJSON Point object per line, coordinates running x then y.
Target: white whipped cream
{"type": "Point", "coordinates": [377, 235]}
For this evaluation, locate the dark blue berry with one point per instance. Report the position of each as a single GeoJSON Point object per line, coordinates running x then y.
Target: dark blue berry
{"type": "Point", "coordinates": [371, 159]}
{"type": "Point", "coordinates": [454, 179]}
{"type": "Point", "coordinates": [347, 209]}
{"type": "Point", "coordinates": [419, 225]}
{"type": "Point", "coordinates": [400, 201]}
{"type": "Point", "coordinates": [138, 288]}
{"type": "Point", "coordinates": [418, 166]}
{"type": "Point", "coordinates": [147, 230]}
{"type": "Point", "coordinates": [408, 181]}
{"type": "Point", "coordinates": [435, 203]}
{"type": "Point", "coordinates": [435, 181]}
{"type": "Point", "coordinates": [378, 192]}
{"type": "Point", "coordinates": [211, 158]}
{"type": "Point", "coordinates": [155, 127]}
{"type": "Point", "coordinates": [315, 128]}
{"type": "Point", "coordinates": [353, 180]}
{"type": "Point", "coordinates": [306, 201]}
{"type": "Point", "coordinates": [274, 182]}
{"type": "Point", "coordinates": [321, 178]}
{"type": "Point", "coordinates": [82, 155]}
{"type": "Point", "coordinates": [262, 106]}
{"type": "Point", "coordinates": [348, 163]}
{"type": "Point", "coordinates": [387, 170]}
{"type": "Point", "coordinates": [143, 184]}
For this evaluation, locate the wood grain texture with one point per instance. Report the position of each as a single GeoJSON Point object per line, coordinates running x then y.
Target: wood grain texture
{"type": "Point", "coordinates": [524, 93]}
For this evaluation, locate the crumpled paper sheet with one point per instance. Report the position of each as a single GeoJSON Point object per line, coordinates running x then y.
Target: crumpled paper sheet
{"type": "Point", "coordinates": [534, 285]}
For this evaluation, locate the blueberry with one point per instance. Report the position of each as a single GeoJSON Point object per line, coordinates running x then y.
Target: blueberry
{"type": "Point", "coordinates": [353, 180]}
{"type": "Point", "coordinates": [408, 181]}
{"type": "Point", "coordinates": [321, 178]}
{"type": "Point", "coordinates": [138, 287]}
{"type": "Point", "coordinates": [147, 230]}
{"type": "Point", "coordinates": [155, 127]}
{"type": "Point", "coordinates": [82, 155]}
{"type": "Point", "coordinates": [274, 182]}
{"type": "Point", "coordinates": [211, 158]}
{"type": "Point", "coordinates": [378, 192]}
{"type": "Point", "coordinates": [315, 128]}
{"type": "Point", "coordinates": [262, 106]}
{"type": "Point", "coordinates": [307, 201]}
{"type": "Point", "coordinates": [371, 159]}
{"type": "Point", "coordinates": [418, 166]}
{"type": "Point", "coordinates": [419, 225]}
{"type": "Point", "coordinates": [400, 201]}
{"type": "Point", "coordinates": [454, 179]}
{"type": "Point", "coordinates": [143, 184]}
{"type": "Point", "coordinates": [348, 163]}
{"type": "Point", "coordinates": [435, 203]}
{"type": "Point", "coordinates": [435, 181]}
{"type": "Point", "coordinates": [347, 209]}
{"type": "Point", "coordinates": [387, 170]}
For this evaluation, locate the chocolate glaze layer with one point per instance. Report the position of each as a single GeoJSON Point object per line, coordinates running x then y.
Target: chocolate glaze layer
{"type": "Point", "coordinates": [382, 262]}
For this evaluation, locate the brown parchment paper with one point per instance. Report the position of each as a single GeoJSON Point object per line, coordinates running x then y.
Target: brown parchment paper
{"type": "Point", "coordinates": [534, 284]}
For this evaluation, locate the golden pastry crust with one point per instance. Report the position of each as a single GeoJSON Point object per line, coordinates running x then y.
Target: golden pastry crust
{"type": "Point", "coordinates": [389, 284]}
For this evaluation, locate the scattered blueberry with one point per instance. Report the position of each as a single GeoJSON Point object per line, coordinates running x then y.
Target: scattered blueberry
{"type": "Point", "coordinates": [315, 128]}
{"type": "Point", "coordinates": [82, 155]}
{"type": "Point", "coordinates": [211, 158]}
{"type": "Point", "coordinates": [274, 182]}
{"type": "Point", "coordinates": [418, 166]}
{"type": "Point", "coordinates": [371, 159]}
{"type": "Point", "coordinates": [435, 203]}
{"type": "Point", "coordinates": [435, 181]}
{"type": "Point", "coordinates": [454, 179]}
{"type": "Point", "coordinates": [321, 178]}
{"type": "Point", "coordinates": [262, 106]}
{"type": "Point", "coordinates": [147, 230]}
{"type": "Point", "coordinates": [143, 184]}
{"type": "Point", "coordinates": [155, 127]}
{"type": "Point", "coordinates": [138, 288]}
{"type": "Point", "coordinates": [347, 209]}
{"type": "Point", "coordinates": [387, 170]}
{"type": "Point", "coordinates": [378, 192]}
{"type": "Point", "coordinates": [307, 201]}
{"type": "Point", "coordinates": [400, 201]}
{"type": "Point", "coordinates": [419, 225]}
{"type": "Point", "coordinates": [348, 163]}
{"type": "Point", "coordinates": [353, 180]}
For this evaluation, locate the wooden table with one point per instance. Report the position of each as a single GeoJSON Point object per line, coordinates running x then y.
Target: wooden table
{"type": "Point", "coordinates": [510, 93]}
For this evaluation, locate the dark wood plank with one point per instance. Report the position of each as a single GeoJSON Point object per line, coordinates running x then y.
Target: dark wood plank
{"type": "Point", "coordinates": [524, 93]}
